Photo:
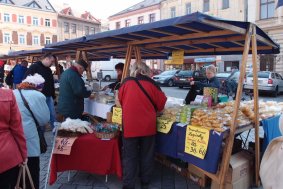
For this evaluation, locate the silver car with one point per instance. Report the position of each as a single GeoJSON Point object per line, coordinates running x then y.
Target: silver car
{"type": "Point", "coordinates": [267, 81]}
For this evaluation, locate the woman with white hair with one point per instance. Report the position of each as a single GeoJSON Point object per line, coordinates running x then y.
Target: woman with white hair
{"type": "Point", "coordinates": [29, 90]}
{"type": "Point", "coordinates": [211, 81]}
{"type": "Point", "coordinates": [140, 99]}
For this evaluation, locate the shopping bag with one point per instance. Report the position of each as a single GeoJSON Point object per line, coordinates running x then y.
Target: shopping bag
{"type": "Point", "coordinates": [22, 176]}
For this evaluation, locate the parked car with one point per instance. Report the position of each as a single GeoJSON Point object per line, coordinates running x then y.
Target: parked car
{"type": "Point", "coordinates": [184, 77]}
{"type": "Point", "coordinates": [222, 76]}
{"type": "Point", "coordinates": [107, 68]}
{"type": "Point", "coordinates": [165, 78]}
{"type": "Point", "coordinates": [155, 72]}
{"type": "Point", "coordinates": [267, 81]}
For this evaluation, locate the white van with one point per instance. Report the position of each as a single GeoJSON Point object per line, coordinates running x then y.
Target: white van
{"type": "Point", "coordinates": [107, 68]}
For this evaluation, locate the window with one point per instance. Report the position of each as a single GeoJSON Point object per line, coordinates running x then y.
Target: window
{"type": "Point", "coordinates": [188, 8]}
{"type": "Point", "coordinates": [6, 17]}
{"type": "Point", "coordinates": [118, 25]}
{"type": "Point", "coordinates": [35, 40]}
{"type": "Point", "coordinates": [225, 4]}
{"type": "Point", "coordinates": [267, 8]}
{"type": "Point", "coordinates": [86, 30]}
{"type": "Point", "coordinates": [92, 30]}
{"type": "Point", "coordinates": [35, 21]}
{"type": "Point", "coordinates": [66, 27]}
{"type": "Point", "coordinates": [173, 12]}
{"type": "Point", "coordinates": [21, 19]}
{"type": "Point", "coordinates": [47, 23]}
{"type": "Point", "coordinates": [6, 1]}
{"type": "Point", "coordinates": [74, 28]}
{"type": "Point", "coordinates": [152, 17]}
{"type": "Point", "coordinates": [7, 38]}
{"type": "Point", "coordinates": [34, 5]}
{"type": "Point", "coordinates": [22, 39]}
{"type": "Point", "coordinates": [127, 23]}
{"type": "Point", "coordinates": [140, 20]}
{"type": "Point", "coordinates": [205, 5]}
{"type": "Point", "coordinates": [47, 40]}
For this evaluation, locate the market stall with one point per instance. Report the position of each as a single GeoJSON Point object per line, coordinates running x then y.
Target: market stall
{"type": "Point", "coordinates": [191, 35]}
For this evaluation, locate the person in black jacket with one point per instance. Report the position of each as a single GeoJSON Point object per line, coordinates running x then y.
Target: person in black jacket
{"type": "Point", "coordinates": [43, 68]}
{"type": "Point", "coordinates": [115, 86]}
{"type": "Point", "coordinates": [197, 86]}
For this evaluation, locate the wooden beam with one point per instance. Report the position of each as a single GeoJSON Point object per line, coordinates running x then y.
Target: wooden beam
{"type": "Point", "coordinates": [224, 49]}
{"type": "Point", "coordinates": [78, 55]}
{"type": "Point", "coordinates": [238, 43]}
{"type": "Point", "coordinates": [236, 29]}
{"type": "Point", "coordinates": [88, 70]}
{"type": "Point", "coordinates": [137, 54]}
{"type": "Point", "coordinates": [141, 35]}
{"type": "Point", "coordinates": [162, 32]}
{"type": "Point", "coordinates": [256, 107]}
{"type": "Point", "coordinates": [180, 37]}
{"type": "Point", "coordinates": [111, 50]}
{"type": "Point", "coordinates": [127, 62]}
{"type": "Point", "coordinates": [188, 28]}
{"type": "Point", "coordinates": [198, 41]}
{"type": "Point", "coordinates": [100, 47]}
{"type": "Point", "coordinates": [214, 177]}
{"type": "Point", "coordinates": [217, 46]}
{"type": "Point", "coordinates": [124, 38]}
{"type": "Point", "coordinates": [230, 140]}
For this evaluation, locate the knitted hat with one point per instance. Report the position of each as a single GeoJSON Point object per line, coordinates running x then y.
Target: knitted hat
{"type": "Point", "coordinates": [83, 63]}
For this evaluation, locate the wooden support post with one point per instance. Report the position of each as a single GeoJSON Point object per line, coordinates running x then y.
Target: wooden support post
{"type": "Point", "coordinates": [256, 111]}
{"type": "Point", "coordinates": [128, 61]}
{"type": "Point", "coordinates": [137, 54]}
{"type": "Point", "coordinates": [230, 140]}
{"type": "Point", "coordinates": [57, 68]}
{"type": "Point", "coordinates": [88, 70]}
{"type": "Point", "coordinates": [32, 58]}
{"type": "Point", "coordinates": [78, 55]}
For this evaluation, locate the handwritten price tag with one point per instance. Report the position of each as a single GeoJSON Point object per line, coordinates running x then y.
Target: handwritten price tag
{"type": "Point", "coordinates": [117, 115]}
{"type": "Point", "coordinates": [164, 125]}
{"type": "Point", "coordinates": [196, 141]}
{"type": "Point", "coordinates": [178, 57]}
{"type": "Point", "coordinates": [63, 145]}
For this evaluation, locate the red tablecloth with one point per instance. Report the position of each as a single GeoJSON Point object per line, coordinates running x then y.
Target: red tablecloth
{"type": "Point", "coordinates": [91, 155]}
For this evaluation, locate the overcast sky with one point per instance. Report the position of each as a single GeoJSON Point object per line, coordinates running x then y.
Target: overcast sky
{"type": "Point", "coordinates": [100, 9]}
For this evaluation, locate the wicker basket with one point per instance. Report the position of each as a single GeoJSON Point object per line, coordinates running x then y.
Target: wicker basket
{"type": "Point", "coordinates": [106, 135]}
{"type": "Point", "coordinates": [64, 133]}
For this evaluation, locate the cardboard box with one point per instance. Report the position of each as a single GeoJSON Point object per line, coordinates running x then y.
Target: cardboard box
{"type": "Point", "coordinates": [198, 177]}
{"type": "Point", "coordinates": [239, 173]}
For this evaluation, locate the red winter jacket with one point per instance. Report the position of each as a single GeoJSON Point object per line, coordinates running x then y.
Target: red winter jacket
{"type": "Point", "coordinates": [13, 150]}
{"type": "Point", "coordinates": [139, 115]}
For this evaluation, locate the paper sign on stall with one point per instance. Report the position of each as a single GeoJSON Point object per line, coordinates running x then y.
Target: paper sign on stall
{"type": "Point", "coordinates": [63, 145]}
{"type": "Point", "coordinates": [196, 142]}
{"type": "Point", "coordinates": [117, 115]}
{"type": "Point", "coordinates": [178, 57]}
{"type": "Point", "coordinates": [164, 125]}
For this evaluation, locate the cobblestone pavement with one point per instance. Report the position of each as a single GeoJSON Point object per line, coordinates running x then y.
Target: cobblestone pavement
{"type": "Point", "coordinates": [163, 177]}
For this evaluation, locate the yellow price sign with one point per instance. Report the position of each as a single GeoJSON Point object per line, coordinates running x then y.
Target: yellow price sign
{"type": "Point", "coordinates": [196, 142]}
{"type": "Point", "coordinates": [178, 57]}
{"type": "Point", "coordinates": [117, 115]}
{"type": "Point", "coordinates": [164, 125]}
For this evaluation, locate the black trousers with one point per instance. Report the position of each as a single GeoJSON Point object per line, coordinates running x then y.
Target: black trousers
{"type": "Point", "coordinates": [194, 91]}
{"type": "Point", "coordinates": [8, 179]}
{"type": "Point", "coordinates": [137, 151]}
{"type": "Point", "coordinates": [33, 165]}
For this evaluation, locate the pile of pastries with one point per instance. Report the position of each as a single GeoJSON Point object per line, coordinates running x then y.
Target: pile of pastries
{"type": "Point", "coordinates": [207, 118]}
{"type": "Point", "coordinates": [76, 126]}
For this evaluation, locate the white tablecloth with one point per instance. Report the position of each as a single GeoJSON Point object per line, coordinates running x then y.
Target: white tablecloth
{"type": "Point", "coordinates": [97, 109]}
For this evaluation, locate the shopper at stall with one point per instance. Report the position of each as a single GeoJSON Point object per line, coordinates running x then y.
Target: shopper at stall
{"type": "Point", "coordinates": [119, 69]}
{"type": "Point", "coordinates": [19, 72]}
{"type": "Point", "coordinates": [140, 99]}
{"type": "Point", "coordinates": [73, 91]}
{"type": "Point", "coordinates": [43, 68]}
{"type": "Point", "coordinates": [29, 90]}
{"type": "Point", "coordinates": [197, 86]}
{"type": "Point", "coordinates": [13, 150]}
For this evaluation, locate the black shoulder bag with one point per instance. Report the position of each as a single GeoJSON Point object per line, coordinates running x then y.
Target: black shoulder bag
{"type": "Point", "coordinates": [146, 94]}
{"type": "Point", "coordinates": [42, 141]}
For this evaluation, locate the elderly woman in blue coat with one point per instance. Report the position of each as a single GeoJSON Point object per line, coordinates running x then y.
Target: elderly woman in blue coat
{"type": "Point", "coordinates": [30, 89]}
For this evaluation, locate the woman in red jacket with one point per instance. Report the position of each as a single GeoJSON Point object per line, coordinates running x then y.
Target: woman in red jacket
{"type": "Point", "coordinates": [140, 99]}
{"type": "Point", "coordinates": [13, 150]}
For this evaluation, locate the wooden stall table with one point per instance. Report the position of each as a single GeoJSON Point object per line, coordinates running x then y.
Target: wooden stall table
{"type": "Point", "coordinates": [91, 155]}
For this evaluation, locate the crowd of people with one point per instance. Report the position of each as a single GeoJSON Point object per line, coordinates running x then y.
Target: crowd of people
{"type": "Point", "coordinates": [31, 104]}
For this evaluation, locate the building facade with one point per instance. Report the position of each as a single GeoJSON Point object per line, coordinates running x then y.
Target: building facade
{"type": "Point", "coordinates": [144, 12]}
{"type": "Point", "coordinates": [270, 19]}
{"type": "Point", "coordinates": [72, 25]}
{"type": "Point", "coordinates": [26, 25]}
